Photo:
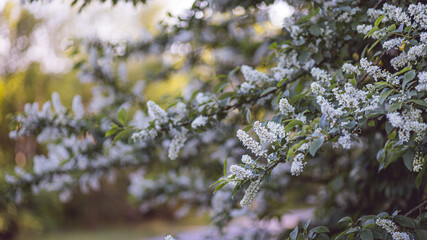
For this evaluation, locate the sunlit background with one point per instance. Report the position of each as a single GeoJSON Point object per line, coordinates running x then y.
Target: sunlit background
{"type": "Point", "coordinates": [38, 56]}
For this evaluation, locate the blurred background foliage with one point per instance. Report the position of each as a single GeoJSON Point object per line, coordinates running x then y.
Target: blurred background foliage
{"type": "Point", "coordinates": [41, 52]}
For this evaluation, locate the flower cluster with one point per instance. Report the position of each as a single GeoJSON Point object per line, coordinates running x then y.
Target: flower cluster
{"type": "Point", "coordinates": [297, 164]}
{"type": "Point", "coordinates": [250, 193]}
{"type": "Point", "coordinates": [250, 143]}
{"type": "Point", "coordinates": [391, 228]}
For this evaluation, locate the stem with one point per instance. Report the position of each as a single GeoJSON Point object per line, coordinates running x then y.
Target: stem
{"type": "Point", "coordinates": [416, 207]}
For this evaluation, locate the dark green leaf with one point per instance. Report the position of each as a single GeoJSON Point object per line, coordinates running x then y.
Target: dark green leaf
{"type": "Point", "coordinates": [421, 234]}
{"type": "Point", "coordinates": [384, 96]}
{"type": "Point", "coordinates": [405, 221]}
{"type": "Point", "coordinates": [345, 220]}
{"type": "Point", "coordinates": [315, 145]}
{"type": "Point", "coordinates": [366, 235]}
{"type": "Point", "coordinates": [408, 158]}
{"type": "Point", "coordinates": [314, 30]}
{"type": "Point", "coordinates": [320, 229]}
{"type": "Point", "coordinates": [268, 90]}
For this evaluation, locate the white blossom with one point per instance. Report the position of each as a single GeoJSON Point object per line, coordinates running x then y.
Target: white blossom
{"type": "Point", "coordinates": [250, 143]}
{"type": "Point", "coordinates": [285, 108]}
{"type": "Point", "coordinates": [176, 145]}
{"type": "Point", "coordinates": [418, 162]}
{"type": "Point", "coordinates": [321, 76]}
{"type": "Point", "coordinates": [200, 121]}
{"type": "Point", "coordinates": [240, 173]}
{"type": "Point", "coordinates": [345, 140]}
{"type": "Point", "coordinates": [349, 69]}
{"type": "Point", "coordinates": [246, 159]}
{"type": "Point", "coordinates": [419, 13]}
{"type": "Point", "coordinates": [317, 89]}
{"type": "Point", "coordinates": [422, 82]}
{"type": "Point", "coordinates": [297, 164]}
{"type": "Point", "coordinates": [253, 76]}
{"type": "Point", "coordinates": [169, 237]}
{"type": "Point", "coordinates": [250, 193]}
{"type": "Point", "coordinates": [395, 42]}
{"type": "Point", "coordinates": [57, 105]}
{"type": "Point", "coordinates": [277, 129]}
{"type": "Point", "coordinates": [156, 112]}
{"type": "Point", "coordinates": [77, 107]}
{"type": "Point", "coordinates": [387, 224]}
{"type": "Point", "coordinates": [400, 236]}
{"type": "Point", "coordinates": [264, 135]}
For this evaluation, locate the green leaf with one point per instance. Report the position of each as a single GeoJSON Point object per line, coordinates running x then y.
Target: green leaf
{"type": "Point", "coordinates": [378, 21]}
{"type": "Point", "coordinates": [419, 102]}
{"type": "Point", "coordinates": [215, 183]}
{"type": "Point", "coordinates": [374, 29]}
{"type": "Point", "coordinates": [345, 220]}
{"type": "Point", "coordinates": [376, 42]}
{"type": "Point", "coordinates": [384, 96]}
{"type": "Point", "coordinates": [421, 234]}
{"type": "Point", "coordinates": [292, 124]}
{"type": "Point", "coordinates": [294, 234]}
{"type": "Point", "coordinates": [391, 28]}
{"type": "Point", "coordinates": [392, 135]}
{"type": "Point", "coordinates": [220, 86]}
{"type": "Point", "coordinates": [320, 229]}
{"type": "Point", "coordinates": [268, 90]}
{"type": "Point", "coordinates": [306, 224]}
{"type": "Point", "coordinates": [248, 116]}
{"type": "Point", "coordinates": [282, 82]}
{"type": "Point", "coordinates": [227, 95]}
{"type": "Point", "coordinates": [408, 159]}
{"type": "Point", "coordinates": [294, 148]}
{"type": "Point", "coordinates": [193, 95]}
{"type": "Point", "coordinates": [419, 178]}
{"type": "Point", "coordinates": [110, 132]}
{"type": "Point", "coordinates": [405, 221]}
{"type": "Point", "coordinates": [225, 167]}
{"type": "Point", "coordinates": [402, 71]}
{"type": "Point", "coordinates": [314, 30]}
{"type": "Point", "coordinates": [315, 145]}
{"type": "Point", "coordinates": [120, 135]}
{"type": "Point", "coordinates": [219, 186]}
{"type": "Point", "coordinates": [395, 106]}
{"type": "Point", "coordinates": [366, 235]}
{"type": "Point", "coordinates": [122, 116]}
{"type": "Point", "coordinates": [409, 75]}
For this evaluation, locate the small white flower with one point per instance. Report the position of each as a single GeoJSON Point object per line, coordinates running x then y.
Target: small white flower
{"type": "Point", "coordinates": [250, 193]}
{"type": "Point", "coordinates": [400, 236]}
{"type": "Point", "coordinates": [250, 143]}
{"type": "Point", "coordinates": [240, 173]}
{"type": "Point", "coordinates": [156, 112]}
{"type": "Point", "coordinates": [285, 107]}
{"type": "Point", "coordinates": [387, 224]}
{"type": "Point", "coordinates": [200, 121]}
{"type": "Point", "coordinates": [264, 135]}
{"type": "Point", "coordinates": [297, 165]}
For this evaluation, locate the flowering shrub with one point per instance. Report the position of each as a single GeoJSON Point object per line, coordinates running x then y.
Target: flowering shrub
{"type": "Point", "coordinates": [341, 105]}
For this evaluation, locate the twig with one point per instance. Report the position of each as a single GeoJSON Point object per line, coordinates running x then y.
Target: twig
{"type": "Point", "coordinates": [416, 207]}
